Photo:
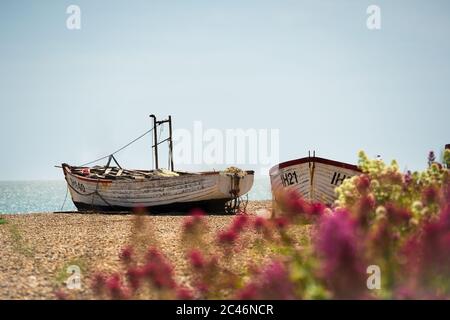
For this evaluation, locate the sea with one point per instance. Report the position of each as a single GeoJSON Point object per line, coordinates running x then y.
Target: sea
{"type": "Point", "coordinates": [51, 196]}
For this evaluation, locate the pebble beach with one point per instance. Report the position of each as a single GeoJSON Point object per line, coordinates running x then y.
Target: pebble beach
{"type": "Point", "coordinates": [37, 248]}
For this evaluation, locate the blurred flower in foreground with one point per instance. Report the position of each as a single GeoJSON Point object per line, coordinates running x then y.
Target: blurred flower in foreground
{"type": "Point", "coordinates": [272, 283]}
{"type": "Point", "coordinates": [397, 221]}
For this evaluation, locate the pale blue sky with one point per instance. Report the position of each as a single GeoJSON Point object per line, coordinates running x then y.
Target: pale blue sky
{"type": "Point", "coordinates": [310, 68]}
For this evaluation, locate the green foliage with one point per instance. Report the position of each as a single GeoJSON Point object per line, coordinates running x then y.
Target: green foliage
{"type": "Point", "coordinates": [62, 275]}
{"type": "Point", "coordinates": [19, 244]}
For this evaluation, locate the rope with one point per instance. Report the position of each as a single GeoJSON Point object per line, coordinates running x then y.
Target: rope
{"type": "Point", "coordinates": [65, 199]}
{"type": "Point", "coordinates": [99, 159]}
{"type": "Point", "coordinates": [91, 194]}
{"type": "Point", "coordinates": [118, 150]}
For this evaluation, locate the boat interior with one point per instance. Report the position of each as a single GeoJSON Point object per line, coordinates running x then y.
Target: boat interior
{"type": "Point", "coordinates": [118, 173]}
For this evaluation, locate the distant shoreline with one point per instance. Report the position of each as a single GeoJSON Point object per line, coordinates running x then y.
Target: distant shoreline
{"type": "Point", "coordinates": [39, 196]}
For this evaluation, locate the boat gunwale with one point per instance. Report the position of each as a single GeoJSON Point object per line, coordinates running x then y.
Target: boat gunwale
{"type": "Point", "coordinates": [294, 162]}
{"type": "Point", "coordinates": [67, 170]}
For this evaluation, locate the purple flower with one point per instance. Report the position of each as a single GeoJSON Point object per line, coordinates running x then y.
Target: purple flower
{"type": "Point", "coordinates": [273, 282]}
{"type": "Point", "coordinates": [337, 245]}
{"type": "Point", "coordinates": [431, 158]}
{"type": "Point", "coordinates": [407, 178]}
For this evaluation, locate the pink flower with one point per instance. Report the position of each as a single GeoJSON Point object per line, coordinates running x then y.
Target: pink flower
{"type": "Point", "coordinates": [260, 223]}
{"type": "Point", "coordinates": [317, 209]}
{"type": "Point", "coordinates": [153, 254]}
{"type": "Point", "coordinates": [183, 293]}
{"type": "Point", "coordinates": [196, 259]}
{"type": "Point", "coordinates": [158, 270]}
{"type": "Point", "coordinates": [281, 222]}
{"type": "Point", "coordinates": [295, 204]}
{"type": "Point", "coordinates": [366, 205]}
{"type": "Point", "coordinates": [227, 236]}
{"type": "Point", "coordinates": [436, 246]}
{"type": "Point", "coordinates": [202, 288]}
{"type": "Point", "coordinates": [337, 245]}
{"type": "Point", "coordinates": [276, 281]}
{"type": "Point", "coordinates": [405, 293]}
{"type": "Point", "coordinates": [197, 213]}
{"type": "Point", "coordinates": [239, 223]}
{"type": "Point", "coordinates": [381, 237]}
{"type": "Point", "coordinates": [363, 184]}
{"type": "Point", "coordinates": [98, 283]}
{"type": "Point", "coordinates": [159, 275]}
{"type": "Point", "coordinates": [430, 195]}
{"type": "Point", "coordinates": [192, 222]}
{"type": "Point", "coordinates": [126, 254]}
{"type": "Point", "coordinates": [249, 292]}
{"type": "Point", "coordinates": [397, 214]}
{"type": "Point", "coordinates": [61, 295]}
{"type": "Point", "coordinates": [134, 276]}
{"type": "Point", "coordinates": [273, 282]}
{"type": "Point", "coordinates": [114, 286]}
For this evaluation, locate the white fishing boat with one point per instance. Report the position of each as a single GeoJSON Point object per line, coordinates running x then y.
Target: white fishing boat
{"type": "Point", "coordinates": [313, 178]}
{"type": "Point", "coordinates": [112, 188]}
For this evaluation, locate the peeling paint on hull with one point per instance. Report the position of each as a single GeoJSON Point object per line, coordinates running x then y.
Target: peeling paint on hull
{"type": "Point", "coordinates": [209, 190]}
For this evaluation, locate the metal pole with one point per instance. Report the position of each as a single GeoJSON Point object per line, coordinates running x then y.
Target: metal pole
{"type": "Point", "coordinates": [155, 137]}
{"type": "Point", "coordinates": [170, 143]}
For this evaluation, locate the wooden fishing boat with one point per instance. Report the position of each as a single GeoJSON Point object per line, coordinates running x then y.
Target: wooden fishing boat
{"type": "Point", "coordinates": [115, 189]}
{"type": "Point", "coordinates": [112, 188]}
{"type": "Point", "coordinates": [313, 178]}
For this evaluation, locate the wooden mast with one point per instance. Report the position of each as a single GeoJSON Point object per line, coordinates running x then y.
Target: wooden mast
{"type": "Point", "coordinates": [156, 142]}
{"type": "Point", "coordinates": [170, 144]}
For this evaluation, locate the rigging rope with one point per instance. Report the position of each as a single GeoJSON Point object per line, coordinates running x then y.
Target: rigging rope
{"type": "Point", "coordinates": [65, 199]}
{"type": "Point", "coordinates": [102, 158]}
{"type": "Point", "coordinates": [118, 150]}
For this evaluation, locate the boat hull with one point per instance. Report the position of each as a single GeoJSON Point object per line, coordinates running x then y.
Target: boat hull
{"type": "Point", "coordinates": [312, 178]}
{"type": "Point", "coordinates": [209, 191]}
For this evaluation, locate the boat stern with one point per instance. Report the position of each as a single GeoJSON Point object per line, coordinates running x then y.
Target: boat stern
{"type": "Point", "coordinates": [235, 184]}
